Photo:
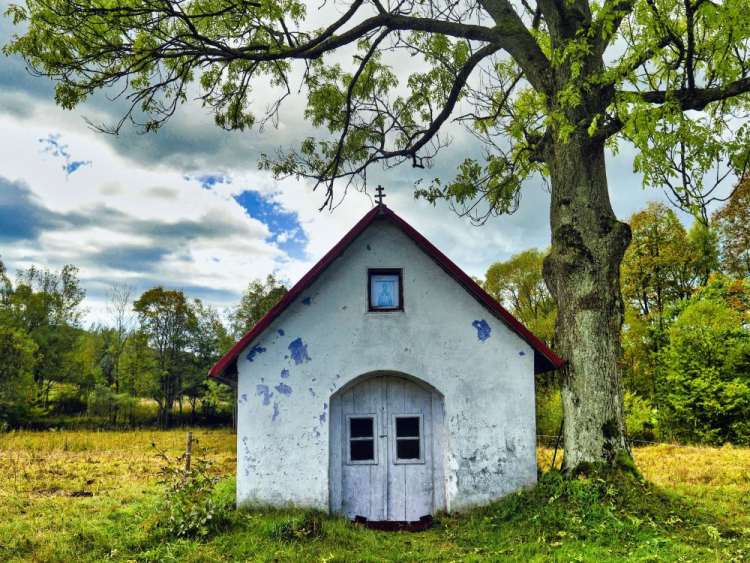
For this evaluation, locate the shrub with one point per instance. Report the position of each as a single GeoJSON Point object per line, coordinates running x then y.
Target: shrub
{"type": "Point", "coordinates": [187, 508]}
{"type": "Point", "coordinates": [706, 389]}
{"type": "Point", "coordinates": [640, 417]}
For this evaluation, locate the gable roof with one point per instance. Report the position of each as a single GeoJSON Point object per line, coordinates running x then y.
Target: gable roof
{"type": "Point", "coordinates": [544, 358]}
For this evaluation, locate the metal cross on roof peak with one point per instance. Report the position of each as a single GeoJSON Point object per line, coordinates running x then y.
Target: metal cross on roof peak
{"type": "Point", "coordinates": [380, 195]}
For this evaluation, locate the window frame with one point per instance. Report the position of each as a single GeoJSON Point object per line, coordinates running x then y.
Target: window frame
{"type": "Point", "coordinates": [394, 452]}
{"type": "Point", "coordinates": [385, 272]}
{"type": "Point", "coordinates": [373, 439]}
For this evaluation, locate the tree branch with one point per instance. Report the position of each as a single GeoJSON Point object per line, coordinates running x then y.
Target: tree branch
{"type": "Point", "coordinates": [692, 99]}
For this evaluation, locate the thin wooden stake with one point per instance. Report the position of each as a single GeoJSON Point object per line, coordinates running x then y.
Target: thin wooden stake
{"type": "Point", "coordinates": [557, 443]}
{"type": "Point", "coordinates": [189, 452]}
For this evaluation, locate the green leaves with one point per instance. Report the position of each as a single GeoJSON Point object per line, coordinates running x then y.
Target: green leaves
{"type": "Point", "coordinates": [187, 508]}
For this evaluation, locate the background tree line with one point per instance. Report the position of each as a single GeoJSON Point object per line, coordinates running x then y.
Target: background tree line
{"type": "Point", "coordinates": [145, 365]}
{"type": "Point", "coordinates": [685, 360]}
{"type": "Point", "coordinates": [686, 336]}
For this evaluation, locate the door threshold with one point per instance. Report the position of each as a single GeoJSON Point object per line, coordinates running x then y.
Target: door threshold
{"type": "Point", "coordinates": [395, 526]}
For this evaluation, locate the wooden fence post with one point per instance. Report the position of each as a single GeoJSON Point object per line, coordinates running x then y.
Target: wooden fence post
{"type": "Point", "coordinates": [189, 452]}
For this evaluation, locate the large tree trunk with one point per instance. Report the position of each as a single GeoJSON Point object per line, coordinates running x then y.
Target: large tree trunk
{"type": "Point", "coordinates": [583, 273]}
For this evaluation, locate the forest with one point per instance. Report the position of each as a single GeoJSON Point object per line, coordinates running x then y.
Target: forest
{"type": "Point", "coordinates": [685, 341]}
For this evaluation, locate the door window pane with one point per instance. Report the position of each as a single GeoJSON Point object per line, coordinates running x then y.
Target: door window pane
{"type": "Point", "coordinates": [361, 427]}
{"type": "Point", "coordinates": [407, 427]}
{"type": "Point", "coordinates": [362, 450]}
{"type": "Point", "coordinates": [407, 449]}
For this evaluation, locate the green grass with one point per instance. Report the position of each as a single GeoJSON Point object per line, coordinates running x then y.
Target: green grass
{"type": "Point", "coordinates": [696, 507]}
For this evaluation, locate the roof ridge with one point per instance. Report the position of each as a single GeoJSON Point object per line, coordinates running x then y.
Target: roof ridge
{"type": "Point", "coordinates": [544, 358]}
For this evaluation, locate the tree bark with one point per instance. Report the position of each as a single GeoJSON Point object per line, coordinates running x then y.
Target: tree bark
{"type": "Point", "coordinates": [582, 272]}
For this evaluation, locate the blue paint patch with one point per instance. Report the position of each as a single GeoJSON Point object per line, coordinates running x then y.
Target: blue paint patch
{"type": "Point", "coordinates": [275, 412]}
{"type": "Point", "coordinates": [299, 351]}
{"type": "Point", "coordinates": [312, 392]}
{"type": "Point", "coordinates": [284, 373]}
{"type": "Point", "coordinates": [263, 390]}
{"type": "Point", "coordinates": [522, 353]}
{"type": "Point", "coordinates": [306, 301]}
{"type": "Point", "coordinates": [483, 329]}
{"type": "Point", "coordinates": [284, 389]}
{"type": "Point", "coordinates": [286, 357]}
{"type": "Point", "coordinates": [322, 417]}
{"type": "Point", "coordinates": [368, 247]}
{"type": "Point", "coordinates": [243, 398]}
{"type": "Point", "coordinates": [255, 350]}
{"type": "Point", "coordinates": [281, 332]}
{"type": "Point", "coordinates": [317, 434]}
{"type": "Point", "coordinates": [325, 406]}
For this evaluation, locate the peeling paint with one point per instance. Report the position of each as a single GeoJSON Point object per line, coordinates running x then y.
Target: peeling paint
{"type": "Point", "coordinates": [306, 301]}
{"type": "Point", "coordinates": [243, 398]}
{"type": "Point", "coordinates": [483, 329]}
{"type": "Point", "coordinates": [368, 247]}
{"type": "Point", "coordinates": [285, 373]}
{"type": "Point", "coordinates": [299, 351]}
{"type": "Point", "coordinates": [312, 392]}
{"type": "Point", "coordinates": [284, 389]}
{"type": "Point", "coordinates": [257, 349]}
{"type": "Point", "coordinates": [263, 390]}
{"type": "Point", "coordinates": [275, 411]}
{"type": "Point", "coordinates": [322, 417]}
{"type": "Point", "coordinates": [522, 353]}
{"type": "Point", "coordinates": [281, 332]}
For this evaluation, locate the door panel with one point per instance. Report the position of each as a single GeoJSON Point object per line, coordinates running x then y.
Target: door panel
{"type": "Point", "coordinates": [410, 489]}
{"type": "Point", "coordinates": [363, 484]}
{"type": "Point", "coordinates": [383, 486]}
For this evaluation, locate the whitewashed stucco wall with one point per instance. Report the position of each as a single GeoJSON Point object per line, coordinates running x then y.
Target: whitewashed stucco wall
{"type": "Point", "coordinates": [325, 339]}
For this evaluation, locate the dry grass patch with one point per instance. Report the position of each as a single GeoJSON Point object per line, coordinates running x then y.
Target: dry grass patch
{"type": "Point", "coordinates": [92, 496]}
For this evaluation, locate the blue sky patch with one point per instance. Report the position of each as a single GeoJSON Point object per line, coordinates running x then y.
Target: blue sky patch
{"type": "Point", "coordinates": [53, 147]}
{"type": "Point", "coordinates": [286, 231]}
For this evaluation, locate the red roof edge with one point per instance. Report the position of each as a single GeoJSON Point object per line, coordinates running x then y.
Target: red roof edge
{"type": "Point", "coordinates": [552, 362]}
{"type": "Point", "coordinates": [293, 293]}
{"type": "Point", "coordinates": [544, 358]}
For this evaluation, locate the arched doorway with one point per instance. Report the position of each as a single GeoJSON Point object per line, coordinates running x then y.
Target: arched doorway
{"type": "Point", "coordinates": [386, 456]}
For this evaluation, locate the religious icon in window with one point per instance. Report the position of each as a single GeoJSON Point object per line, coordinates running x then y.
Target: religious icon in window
{"type": "Point", "coordinates": [385, 290]}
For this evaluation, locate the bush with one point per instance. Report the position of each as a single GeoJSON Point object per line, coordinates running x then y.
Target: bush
{"type": "Point", "coordinates": [705, 396]}
{"type": "Point", "coordinates": [548, 410]}
{"type": "Point", "coordinates": [188, 507]}
{"type": "Point", "coordinates": [640, 418]}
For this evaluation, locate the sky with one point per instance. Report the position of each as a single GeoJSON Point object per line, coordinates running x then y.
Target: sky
{"type": "Point", "coordinates": [187, 207]}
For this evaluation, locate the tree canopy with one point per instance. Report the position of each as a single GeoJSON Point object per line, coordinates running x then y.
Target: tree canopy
{"type": "Point", "coordinates": [523, 75]}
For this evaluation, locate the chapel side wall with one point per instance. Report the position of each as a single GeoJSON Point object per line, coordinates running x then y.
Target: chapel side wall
{"type": "Point", "coordinates": [326, 339]}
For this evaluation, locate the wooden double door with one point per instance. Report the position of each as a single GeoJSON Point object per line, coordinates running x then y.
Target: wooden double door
{"type": "Point", "coordinates": [387, 449]}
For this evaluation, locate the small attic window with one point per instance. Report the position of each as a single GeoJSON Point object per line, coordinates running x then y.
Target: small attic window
{"type": "Point", "coordinates": [385, 290]}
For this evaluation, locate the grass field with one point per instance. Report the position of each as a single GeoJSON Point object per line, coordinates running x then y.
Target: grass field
{"type": "Point", "coordinates": [91, 496]}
